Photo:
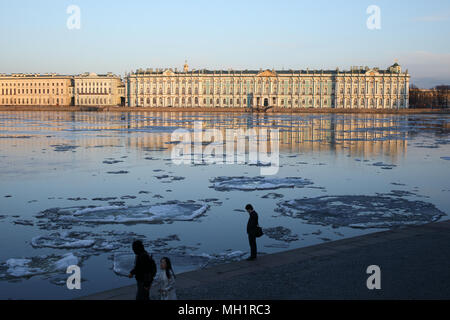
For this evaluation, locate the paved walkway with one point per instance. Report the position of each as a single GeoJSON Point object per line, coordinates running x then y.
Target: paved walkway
{"type": "Point", "coordinates": [414, 262]}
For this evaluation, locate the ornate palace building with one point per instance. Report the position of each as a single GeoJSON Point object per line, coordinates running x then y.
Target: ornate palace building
{"type": "Point", "coordinates": [357, 88]}
{"type": "Point", "coordinates": [35, 89]}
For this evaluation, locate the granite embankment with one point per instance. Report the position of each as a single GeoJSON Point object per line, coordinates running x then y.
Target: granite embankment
{"type": "Point", "coordinates": [414, 263]}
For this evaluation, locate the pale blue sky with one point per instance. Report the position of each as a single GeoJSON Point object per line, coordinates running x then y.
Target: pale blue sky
{"type": "Point", "coordinates": [121, 36]}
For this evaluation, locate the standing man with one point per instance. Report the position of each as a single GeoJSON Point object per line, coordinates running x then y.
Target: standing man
{"type": "Point", "coordinates": [252, 226]}
{"type": "Point", "coordinates": [144, 270]}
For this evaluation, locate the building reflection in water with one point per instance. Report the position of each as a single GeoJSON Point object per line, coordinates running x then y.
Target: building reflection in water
{"type": "Point", "coordinates": [362, 135]}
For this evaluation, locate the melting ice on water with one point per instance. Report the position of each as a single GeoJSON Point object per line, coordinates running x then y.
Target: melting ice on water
{"type": "Point", "coordinates": [62, 240]}
{"type": "Point", "coordinates": [93, 243]}
{"type": "Point", "coordinates": [124, 261]}
{"type": "Point", "coordinates": [360, 211]}
{"type": "Point", "coordinates": [158, 213]}
{"type": "Point", "coordinates": [257, 183]}
{"type": "Point", "coordinates": [41, 265]}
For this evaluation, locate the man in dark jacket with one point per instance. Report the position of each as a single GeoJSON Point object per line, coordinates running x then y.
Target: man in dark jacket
{"type": "Point", "coordinates": [251, 231]}
{"type": "Point", "coordinates": [144, 271]}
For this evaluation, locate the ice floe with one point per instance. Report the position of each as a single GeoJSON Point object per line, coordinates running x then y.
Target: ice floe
{"type": "Point", "coordinates": [273, 195]}
{"type": "Point", "coordinates": [280, 234]}
{"type": "Point", "coordinates": [64, 147]}
{"type": "Point", "coordinates": [123, 262]}
{"type": "Point", "coordinates": [41, 265]}
{"type": "Point", "coordinates": [257, 183]}
{"type": "Point", "coordinates": [92, 243]}
{"type": "Point", "coordinates": [157, 213]}
{"type": "Point", "coordinates": [24, 222]}
{"type": "Point", "coordinates": [383, 165]}
{"type": "Point", "coordinates": [118, 172]}
{"type": "Point", "coordinates": [63, 240]}
{"type": "Point", "coordinates": [360, 211]}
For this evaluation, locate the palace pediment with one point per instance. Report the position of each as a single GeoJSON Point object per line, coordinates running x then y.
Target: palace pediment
{"type": "Point", "coordinates": [372, 72]}
{"type": "Point", "coordinates": [267, 73]}
{"type": "Point", "coordinates": [168, 72]}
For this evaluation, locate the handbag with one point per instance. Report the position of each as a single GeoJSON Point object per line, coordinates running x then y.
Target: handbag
{"type": "Point", "coordinates": [259, 232]}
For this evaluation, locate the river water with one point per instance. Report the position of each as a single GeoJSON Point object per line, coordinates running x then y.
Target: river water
{"type": "Point", "coordinates": [78, 188]}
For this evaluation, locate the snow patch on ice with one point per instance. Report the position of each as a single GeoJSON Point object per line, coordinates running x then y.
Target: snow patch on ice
{"type": "Point", "coordinates": [158, 213]}
{"type": "Point", "coordinates": [41, 265]}
{"type": "Point", "coordinates": [280, 234]}
{"type": "Point", "coordinates": [360, 211]}
{"type": "Point", "coordinates": [257, 183]}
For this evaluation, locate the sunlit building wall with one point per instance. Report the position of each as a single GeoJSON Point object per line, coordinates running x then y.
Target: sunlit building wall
{"type": "Point", "coordinates": [357, 88]}
{"type": "Point", "coordinates": [35, 89]}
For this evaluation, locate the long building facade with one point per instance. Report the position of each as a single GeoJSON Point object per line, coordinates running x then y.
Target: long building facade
{"type": "Point", "coordinates": [36, 89]}
{"type": "Point", "coordinates": [357, 88]}
{"type": "Point", "coordinates": [87, 89]}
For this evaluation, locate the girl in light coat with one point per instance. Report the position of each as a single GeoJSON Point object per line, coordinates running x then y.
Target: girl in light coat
{"type": "Point", "coordinates": [165, 280]}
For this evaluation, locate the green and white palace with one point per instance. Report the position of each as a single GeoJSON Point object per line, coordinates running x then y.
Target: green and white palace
{"type": "Point", "coordinates": [359, 87]}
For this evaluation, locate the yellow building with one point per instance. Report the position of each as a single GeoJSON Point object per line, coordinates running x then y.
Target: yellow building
{"type": "Point", "coordinates": [357, 88]}
{"type": "Point", "coordinates": [91, 89]}
{"type": "Point", "coordinates": [35, 89]}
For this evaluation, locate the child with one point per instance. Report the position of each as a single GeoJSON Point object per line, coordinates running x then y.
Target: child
{"type": "Point", "coordinates": [166, 280]}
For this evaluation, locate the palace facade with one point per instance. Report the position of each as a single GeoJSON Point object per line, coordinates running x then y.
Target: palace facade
{"type": "Point", "coordinates": [35, 89]}
{"type": "Point", "coordinates": [87, 89]}
{"type": "Point", "coordinates": [91, 89]}
{"type": "Point", "coordinates": [357, 88]}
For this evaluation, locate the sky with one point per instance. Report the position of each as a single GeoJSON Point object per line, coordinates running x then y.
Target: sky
{"type": "Point", "coordinates": [122, 36]}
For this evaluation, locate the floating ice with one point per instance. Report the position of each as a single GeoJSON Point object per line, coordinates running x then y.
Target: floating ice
{"type": "Point", "coordinates": [112, 161]}
{"type": "Point", "coordinates": [257, 183]}
{"type": "Point", "coordinates": [64, 147]}
{"type": "Point", "coordinates": [62, 240]}
{"type": "Point", "coordinates": [281, 234]}
{"type": "Point", "coordinates": [124, 262]}
{"type": "Point", "coordinates": [360, 211]}
{"type": "Point", "coordinates": [23, 222]}
{"type": "Point", "coordinates": [158, 213]}
{"type": "Point", "coordinates": [91, 243]}
{"type": "Point", "coordinates": [67, 260]}
{"type": "Point", "coordinates": [40, 265]}
{"type": "Point", "coordinates": [104, 199]}
{"type": "Point", "coordinates": [384, 165]}
{"type": "Point", "coordinates": [223, 257]}
{"type": "Point", "coordinates": [272, 195]}
{"type": "Point", "coordinates": [181, 262]}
